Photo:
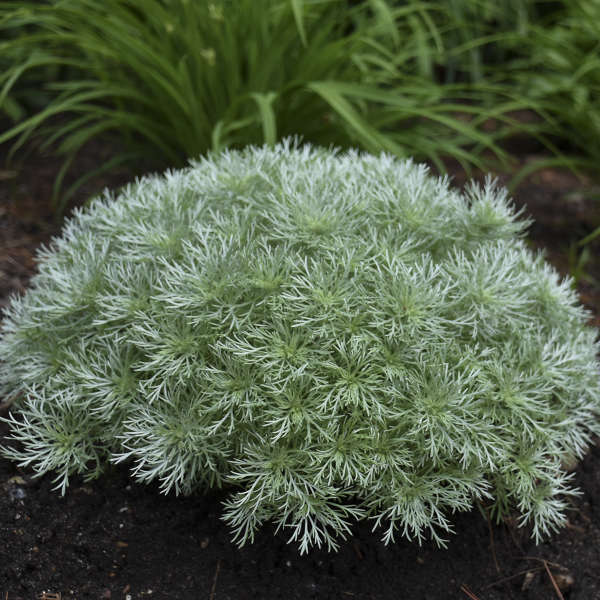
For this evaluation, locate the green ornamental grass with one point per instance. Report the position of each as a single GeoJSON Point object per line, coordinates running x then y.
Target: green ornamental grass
{"type": "Point", "coordinates": [332, 336]}
{"type": "Point", "coordinates": [167, 79]}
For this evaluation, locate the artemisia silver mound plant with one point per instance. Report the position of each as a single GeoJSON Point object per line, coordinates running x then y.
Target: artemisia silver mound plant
{"type": "Point", "coordinates": [332, 336]}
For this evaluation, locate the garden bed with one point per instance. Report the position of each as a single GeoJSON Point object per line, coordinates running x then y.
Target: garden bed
{"type": "Point", "coordinates": [112, 538]}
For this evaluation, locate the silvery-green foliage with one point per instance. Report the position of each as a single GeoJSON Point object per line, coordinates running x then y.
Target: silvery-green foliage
{"type": "Point", "coordinates": [332, 336]}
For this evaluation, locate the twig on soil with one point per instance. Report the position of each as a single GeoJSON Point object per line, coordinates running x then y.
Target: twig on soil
{"type": "Point", "coordinates": [544, 561]}
{"type": "Point", "coordinates": [466, 590]}
{"type": "Point", "coordinates": [576, 528]}
{"type": "Point", "coordinates": [554, 584]}
{"type": "Point", "coordinates": [214, 585]}
{"type": "Point", "coordinates": [509, 577]}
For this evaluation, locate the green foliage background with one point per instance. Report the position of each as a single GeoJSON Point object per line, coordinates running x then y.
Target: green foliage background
{"type": "Point", "coordinates": [172, 79]}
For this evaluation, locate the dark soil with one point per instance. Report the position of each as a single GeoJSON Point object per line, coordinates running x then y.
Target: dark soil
{"type": "Point", "coordinates": [112, 538]}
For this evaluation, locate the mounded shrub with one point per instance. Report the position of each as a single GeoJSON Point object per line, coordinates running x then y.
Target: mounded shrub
{"type": "Point", "coordinates": [334, 336]}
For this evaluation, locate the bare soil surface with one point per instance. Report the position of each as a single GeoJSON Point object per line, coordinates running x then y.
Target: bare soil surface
{"type": "Point", "coordinates": [113, 538]}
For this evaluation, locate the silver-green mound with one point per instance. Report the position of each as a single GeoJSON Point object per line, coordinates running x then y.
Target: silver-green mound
{"type": "Point", "coordinates": [331, 336]}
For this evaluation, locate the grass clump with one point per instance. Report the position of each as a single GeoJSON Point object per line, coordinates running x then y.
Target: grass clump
{"type": "Point", "coordinates": [169, 79]}
{"type": "Point", "coordinates": [333, 336]}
